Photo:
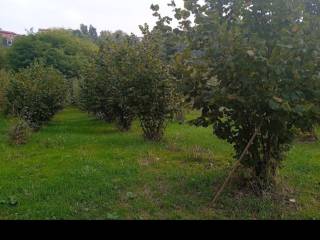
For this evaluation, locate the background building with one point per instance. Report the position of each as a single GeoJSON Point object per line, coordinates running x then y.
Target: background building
{"type": "Point", "coordinates": [8, 37]}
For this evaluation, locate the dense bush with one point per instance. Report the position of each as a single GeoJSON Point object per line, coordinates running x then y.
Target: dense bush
{"type": "Point", "coordinates": [35, 94]}
{"type": "Point", "coordinates": [73, 94]}
{"type": "Point", "coordinates": [154, 89]}
{"type": "Point", "coordinates": [3, 59]}
{"type": "Point", "coordinates": [106, 89]}
{"type": "Point", "coordinates": [4, 81]}
{"type": "Point", "coordinates": [130, 79]}
{"type": "Point", "coordinates": [58, 48]}
{"type": "Point", "coordinates": [254, 65]}
{"type": "Point", "coordinates": [118, 63]}
{"type": "Point", "coordinates": [95, 94]}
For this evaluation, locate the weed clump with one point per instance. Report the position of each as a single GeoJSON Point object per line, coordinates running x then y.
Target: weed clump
{"type": "Point", "coordinates": [199, 154]}
{"type": "Point", "coordinates": [19, 133]}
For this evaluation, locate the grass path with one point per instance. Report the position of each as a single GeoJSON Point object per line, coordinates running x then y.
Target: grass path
{"type": "Point", "coordinates": [81, 168]}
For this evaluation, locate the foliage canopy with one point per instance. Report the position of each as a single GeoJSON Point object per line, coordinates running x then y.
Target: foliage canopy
{"type": "Point", "coordinates": [35, 94]}
{"type": "Point", "coordinates": [107, 84]}
{"type": "Point", "coordinates": [250, 65]}
{"type": "Point", "coordinates": [58, 48]}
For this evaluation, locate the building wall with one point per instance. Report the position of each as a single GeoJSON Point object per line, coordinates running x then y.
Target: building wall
{"type": "Point", "coordinates": [8, 37]}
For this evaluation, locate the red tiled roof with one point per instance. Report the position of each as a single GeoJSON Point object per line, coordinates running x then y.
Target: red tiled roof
{"type": "Point", "coordinates": [7, 32]}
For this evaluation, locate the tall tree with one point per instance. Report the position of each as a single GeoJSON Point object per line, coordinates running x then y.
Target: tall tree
{"type": "Point", "coordinates": [93, 33]}
{"type": "Point", "coordinates": [84, 30]}
{"type": "Point", "coordinates": [116, 37]}
{"type": "Point", "coordinates": [57, 48]}
{"type": "Point", "coordinates": [87, 32]}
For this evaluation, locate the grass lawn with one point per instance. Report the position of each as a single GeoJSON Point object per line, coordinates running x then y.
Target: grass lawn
{"type": "Point", "coordinates": [81, 168]}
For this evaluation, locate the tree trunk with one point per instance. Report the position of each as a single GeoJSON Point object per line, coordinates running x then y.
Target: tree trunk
{"type": "Point", "coordinates": [266, 168]}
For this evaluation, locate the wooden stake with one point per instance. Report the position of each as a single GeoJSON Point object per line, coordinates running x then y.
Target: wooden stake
{"type": "Point", "coordinates": [236, 166]}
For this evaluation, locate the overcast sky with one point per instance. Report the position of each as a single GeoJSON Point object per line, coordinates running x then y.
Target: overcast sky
{"type": "Point", "coordinates": [127, 15]}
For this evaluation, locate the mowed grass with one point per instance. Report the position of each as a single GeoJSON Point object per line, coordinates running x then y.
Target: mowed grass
{"type": "Point", "coordinates": [81, 168]}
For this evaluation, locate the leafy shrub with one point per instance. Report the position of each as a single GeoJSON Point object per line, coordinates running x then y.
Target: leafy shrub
{"type": "Point", "coordinates": [121, 71]}
{"type": "Point", "coordinates": [254, 65]}
{"type": "Point", "coordinates": [35, 94]}
{"type": "Point", "coordinates": [4, 81]}
{"type": "Point", "coordinates": [3, 58]}
{"type": "Point", "coordinates": [153, 94]}
{"type": "Point", "coordinates": [58, 48]}
{"type": "Point", "coordinates": [129, 79]}
{"type": "Point", "coordinates": [106, 88]}
{"type": "Point", "coordinates": [19, 133]}
{"type": "Point", "coordinates": [73, 93]}
{"type": "Point", "coordinates": [95, 94]}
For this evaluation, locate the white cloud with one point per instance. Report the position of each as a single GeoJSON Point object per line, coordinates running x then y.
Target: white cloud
{"type": "Point", "coordinates": [127, 15]}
